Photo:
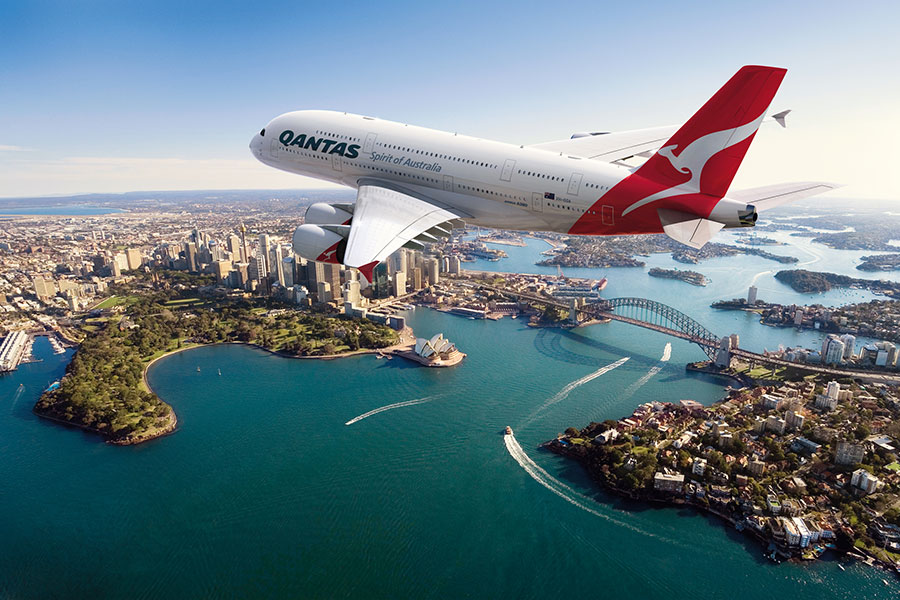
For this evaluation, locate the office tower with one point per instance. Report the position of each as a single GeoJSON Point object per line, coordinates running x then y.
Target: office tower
{"type": "Point", "coordinates": [278, 264]}
{"type": "Point", "coordinates": [133, 258]}
{"type": "Point", "coordinates": [287, 271]}
{"type": "Point", "coordinates": [751, 295]}
{"type": "Point", "coordinates": [190, 256]}
{"type": "Point", "coordinates": [324, 291]}
{"type": "Point", "coordinates": [263, 251]}
{"type": "Point", "coordinates": [233, 243]}
{"type": "Point", "coordinates": [432, 268]}
{"type": "Point", "coordinates": [399, 284]}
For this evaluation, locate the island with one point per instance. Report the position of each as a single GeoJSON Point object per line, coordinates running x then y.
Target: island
{"type": "Point", "coordinates": [880, 262]}
{"type": "Point", "coordinates": [105, 389]}
{"type": "Point", "coordinates": [691, 277]}
{"type": "Point", "coordinates": [804, 467]}
{"type": "Point", "coordinates": [814, 282]}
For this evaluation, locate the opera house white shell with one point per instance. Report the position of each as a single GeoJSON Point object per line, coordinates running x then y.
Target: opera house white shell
{"type": "Point", "coordinates": [437, 345]}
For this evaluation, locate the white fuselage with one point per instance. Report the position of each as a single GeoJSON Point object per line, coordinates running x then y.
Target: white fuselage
{"type": "Point", "coordinates": [492, 184]}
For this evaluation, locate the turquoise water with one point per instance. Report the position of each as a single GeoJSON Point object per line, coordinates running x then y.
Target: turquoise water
{"type": "Point", "coordinates": [263, 491]}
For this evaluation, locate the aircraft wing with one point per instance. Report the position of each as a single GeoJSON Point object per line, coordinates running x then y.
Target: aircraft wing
{"type": "Point", "coordinates": [622, 145]}
{"type": "Point", "coordinates": [387, 218]}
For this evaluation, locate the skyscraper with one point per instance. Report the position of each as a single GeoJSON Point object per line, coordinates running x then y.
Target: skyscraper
{"type": "Point", "coordinates": [832, 350]}
{"type": "Point", "coordinates": [751, 295]}
{"type": "Point", "coordinates": [264, 251]}
{"type": "Point", "coordinates": [234, 246]}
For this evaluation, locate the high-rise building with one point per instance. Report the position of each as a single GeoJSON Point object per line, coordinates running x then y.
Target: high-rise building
{"type": "Point", "coordinates": [133, 258]}
{"type": "Point", "coordinates": [381, 284]}
{"type": "Point", "coordinates": [233, 243]}
{"type": "Point", "coordinates": [351, 292]}
{"type": "Point", "coordinates": [261, 272]}
{"type": "Point", "coordinates": [455, 265]}
{"type": "Point", "coordinates": [832, 350]}
{"type": "Point", "coordinates": [798, 316]}
{"type": "Point", "coordinates": [417, 278]}
{"type": "Point", "coordinates": [399, 284]}
{"type": "Point", "coordinates": [278, 264]}
{"type": "Point", "coordinates": [245, 249]}
{"type": "Point", "coordinates": [849, 345]}
{"type": "Point", "coordinates": [287, 270]}
{"type": "Point", "coordinates": [751, 295]}
{"type": "Point", "coordinates": [263, 251]}
{"type": "Point", "coordinates": [221, 268]}
{"type": "Point", "coordinates": [190, 257]}
{"type": "Point", "coordinates": [324, 292]}
{"type": "Point", "coordinates": [44, 289]}
{"type": "Point", "coordinates": [432, 268]}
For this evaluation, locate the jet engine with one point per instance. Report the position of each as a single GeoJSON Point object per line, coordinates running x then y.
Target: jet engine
{"type": "Point", "coordinates": [329, 214]}
{"type": "Point", "coordinates": [326, 243]}
{"type": "Point", "coordinates": [734, 213]}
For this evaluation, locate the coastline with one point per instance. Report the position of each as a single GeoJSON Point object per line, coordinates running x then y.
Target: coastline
{"type": "Point", "coordinates": [669, 502]}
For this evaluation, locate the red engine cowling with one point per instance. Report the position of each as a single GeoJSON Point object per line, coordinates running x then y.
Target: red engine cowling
{"type": "Point", "coordinates": [321, 244]}
{"type": "Point", "coordinates": [327, 214]}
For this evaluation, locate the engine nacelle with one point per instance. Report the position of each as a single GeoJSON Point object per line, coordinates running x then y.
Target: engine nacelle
{"type": "Point", "coordinates": [327, 214]}
{"type": "Point", "coordinates": [734, 213]}
{"type": "Point", "coordinates": [321, 244]}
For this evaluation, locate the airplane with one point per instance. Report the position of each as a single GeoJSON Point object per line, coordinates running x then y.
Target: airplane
{"type": "Point", "coordinates": [416, 184]}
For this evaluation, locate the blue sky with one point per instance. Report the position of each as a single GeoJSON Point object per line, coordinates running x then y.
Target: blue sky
{"type": "Point", "coordinates": [116, 96]}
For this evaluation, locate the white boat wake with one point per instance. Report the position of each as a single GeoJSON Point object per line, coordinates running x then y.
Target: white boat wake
{"type": "Point", "coordinates": [559, 488]}
{"type": "Point", "coordinates": [564, 393]}
{"type": "Point", "coordinates": [631, 389]}
{"type": "Point", "coordinates": [388, 407]}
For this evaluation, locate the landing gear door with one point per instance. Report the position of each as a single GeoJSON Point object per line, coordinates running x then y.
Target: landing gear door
{"type": "Point", "coordinates": [508, 167]}
{"type": "Point", "coordinates": [574, 184]}
{"type": "Point", "coordinates": [369, 144]}
{"type": "Point", "coordinates": [537, 202]}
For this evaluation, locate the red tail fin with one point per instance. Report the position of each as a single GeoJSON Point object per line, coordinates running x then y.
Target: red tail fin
{"type": "Point", "coordinates": [709, 148]}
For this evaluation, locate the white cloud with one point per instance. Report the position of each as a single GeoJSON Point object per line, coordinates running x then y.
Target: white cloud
{"type": "Point", "coordinates": [11, 148]}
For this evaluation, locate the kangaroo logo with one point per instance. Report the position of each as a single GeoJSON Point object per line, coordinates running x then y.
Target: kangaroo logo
{"type": "Point", "coordinates": [694, 157]}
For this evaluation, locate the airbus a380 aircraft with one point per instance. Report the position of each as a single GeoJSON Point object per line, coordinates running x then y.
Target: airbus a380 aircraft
{"type": "Point", "coordinates": [415, 184]}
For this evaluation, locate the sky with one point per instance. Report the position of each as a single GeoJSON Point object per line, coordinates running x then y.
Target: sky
{"type": "Point", "coordinates": [116, 96]}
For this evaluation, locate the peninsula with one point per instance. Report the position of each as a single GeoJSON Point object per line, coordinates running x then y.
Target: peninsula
{"type": "Point", "coordinates": [104, 390]}
{"type": "Point", "coordinates": [804, 467]}
{"type": "Point", "coordinates": [815, 282]}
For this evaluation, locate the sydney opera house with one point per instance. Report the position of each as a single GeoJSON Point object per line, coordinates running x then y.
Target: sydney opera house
{"type": "Point", "coordinates": [437, 351]}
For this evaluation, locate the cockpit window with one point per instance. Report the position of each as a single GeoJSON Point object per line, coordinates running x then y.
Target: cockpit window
{"type": "Point", "coordinates": [263, 132]}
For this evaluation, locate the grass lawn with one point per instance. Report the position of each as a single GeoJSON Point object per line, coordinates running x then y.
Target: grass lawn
{"type": "Point", "coordinates": [112, 301]}
{"type": "Point", "coordinates": [183, 302]}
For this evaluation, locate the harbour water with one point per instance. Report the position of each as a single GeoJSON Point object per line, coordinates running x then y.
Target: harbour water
{"type": "Point", "coordinates": [273, 486]}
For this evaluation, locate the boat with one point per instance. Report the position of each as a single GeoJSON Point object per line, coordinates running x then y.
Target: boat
{"type": "Point", "coordinates": [198, 369]}
{"type": "Point", "coordinates": [220, 372]}
{"type": "Point", "coordinates": [508, 430]}
{"type": "Point", "coordinates": [841, 567]}
{"type": "Point", "coordinates": [885, 582]}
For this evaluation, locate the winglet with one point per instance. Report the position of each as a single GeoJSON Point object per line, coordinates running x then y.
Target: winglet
{"type": "Point", "coordinates": [367, 269]}
{"type": "Point", "coordinates": [779, 117]}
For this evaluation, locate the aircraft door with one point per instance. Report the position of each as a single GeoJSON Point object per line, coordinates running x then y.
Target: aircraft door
{"type": "Point", "coordinates": [448, 183]}
{"type": "Point", "coordinates": [508, 167]}
{"type": "Point", "coordinates": [574, 183]}
{"type": "Point", "coordinates": [369, 144]}
{"type": "Point", "coordinates": [537, 202]}
{"type": "Point", "coordinates": [607, 214]}
{"type": "Point", "coordinates": [336, 162]}
{"type": "Point", "coordinates": [273, 148]}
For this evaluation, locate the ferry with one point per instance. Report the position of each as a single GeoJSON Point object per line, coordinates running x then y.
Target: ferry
{"type": "Point", "coordinates": [508, 430]}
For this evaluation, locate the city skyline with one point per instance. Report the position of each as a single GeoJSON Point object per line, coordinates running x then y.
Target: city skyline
{"type": "Point", "coordinates": [116, 98]}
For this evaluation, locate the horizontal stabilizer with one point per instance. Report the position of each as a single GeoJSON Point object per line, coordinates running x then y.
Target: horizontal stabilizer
{"type": "Point", "coordinates": [770, 196]}
{"type": "Point", "coordinates": [688, 229]}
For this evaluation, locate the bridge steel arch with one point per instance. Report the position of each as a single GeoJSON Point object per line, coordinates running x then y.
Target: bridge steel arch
{"type": "Point", "coordinates": [664, 316]}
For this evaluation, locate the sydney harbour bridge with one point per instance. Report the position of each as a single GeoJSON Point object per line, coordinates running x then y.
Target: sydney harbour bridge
{"type": "Point", "coordinates": [665, 319]}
